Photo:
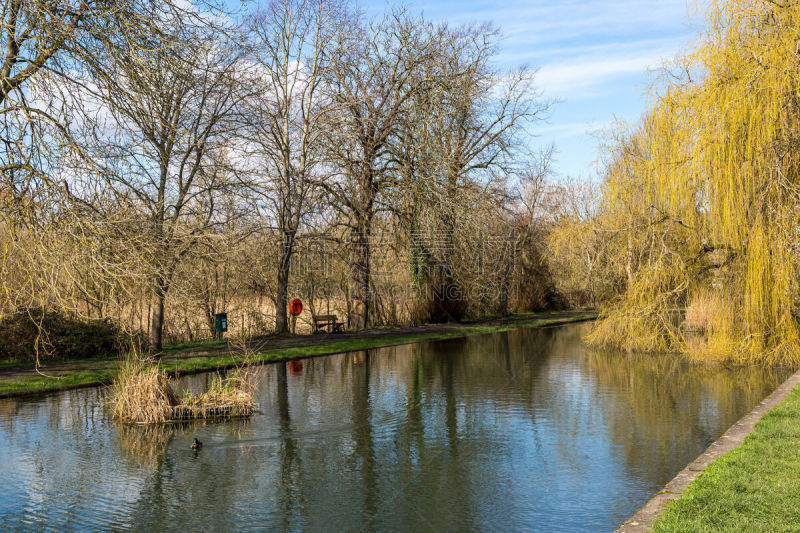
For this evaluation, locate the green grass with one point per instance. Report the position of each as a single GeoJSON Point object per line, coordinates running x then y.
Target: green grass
{"type": "Point", "coordinates": [755, 487]}
{"type": "Point", "coordinates": [205, 344]}
{"type": "Point", "coordinates": [37, 383]}
{"type": "Point", "coordinates": [85, 375]}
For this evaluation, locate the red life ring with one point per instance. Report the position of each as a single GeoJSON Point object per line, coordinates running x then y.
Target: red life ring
{"type": "Point", "coordinates": [295, 306]}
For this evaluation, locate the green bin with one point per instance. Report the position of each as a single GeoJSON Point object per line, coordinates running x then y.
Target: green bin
{"type": "Point", "coordinates": [221, 322]}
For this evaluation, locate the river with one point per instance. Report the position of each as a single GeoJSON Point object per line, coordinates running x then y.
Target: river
{"type": "Point", "coordinates": [522, 430]}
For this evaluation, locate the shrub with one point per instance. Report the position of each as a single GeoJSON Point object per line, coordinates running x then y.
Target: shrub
{"type": "Point", "coordinates": [57, 336]}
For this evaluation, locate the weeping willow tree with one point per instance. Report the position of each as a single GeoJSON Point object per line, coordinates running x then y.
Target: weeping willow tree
{"type": "Point", "coordinates": [706, 198]}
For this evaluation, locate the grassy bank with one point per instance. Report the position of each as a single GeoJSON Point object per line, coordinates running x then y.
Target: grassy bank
{"type": "Point", "coordinates": [752, 488]}
{"type": "Point", "coordinates": [18, 386]}
{"type": "Point", "coordinates": [189, 359]}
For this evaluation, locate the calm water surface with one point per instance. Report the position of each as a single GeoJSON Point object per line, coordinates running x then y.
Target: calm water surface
{"type": "Point", "coordinates": [525, 430]}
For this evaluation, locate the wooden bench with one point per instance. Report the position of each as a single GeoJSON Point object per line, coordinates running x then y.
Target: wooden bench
{"type": "Point", "coordinates": [327, 321]}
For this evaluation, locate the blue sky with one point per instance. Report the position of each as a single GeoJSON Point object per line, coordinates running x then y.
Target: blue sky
{"type": "Point", "coordinates": [593, 55]}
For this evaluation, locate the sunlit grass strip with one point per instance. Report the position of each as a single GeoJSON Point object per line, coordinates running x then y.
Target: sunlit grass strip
{"type": "Point", "coordinates": [37, 383]}
{"type": "Point", "coordinates": [192, 364]}
{"type": "Point", "coordinates": [752, 488]}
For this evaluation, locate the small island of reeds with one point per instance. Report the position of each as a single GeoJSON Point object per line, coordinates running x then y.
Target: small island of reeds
{"type": "Point", "coordinates": [143, 394]}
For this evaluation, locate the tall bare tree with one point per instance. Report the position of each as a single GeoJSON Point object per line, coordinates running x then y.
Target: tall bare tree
{"type": "Point", "coordinates": [163, 132]}
{"type": "Point", "coordinates": [52, 49]}
{"type": "Point", "coordinates": [49, 44]}
{"type": "Point", "coordinates": [471, 120]}
{"type": "Point", "coordinates": [374, 78]}
{"type": "Point", "coordinates": [291, 45]}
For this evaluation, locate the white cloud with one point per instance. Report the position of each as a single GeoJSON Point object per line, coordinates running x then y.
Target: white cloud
{"type": "Point", "coordinates": [595, 16]}
{"type": "Point", "coordinates": [560, 79]}
{"type": "Point", "coordinates": [593, 55]}
{"type": "Point", "coordinates": [533, 56]}
{"type": "Point", "coordinates": [568, 129]}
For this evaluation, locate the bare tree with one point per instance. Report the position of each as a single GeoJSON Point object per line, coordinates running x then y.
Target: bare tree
{"type": "Point", "coordinates": [291, 44]}
{"type": "Point", "coordinates": [51, 44]}
{"type": "Point", "coordinates": [52, 49]}
{"type": "Point", "coordinates": [374, 78]}
{"type": "Point", "coordinates": [526, 209]}
{"type": "Point", "coordinates": [165, 120]}
{"type": "Point", "coordinates": [471, 120]}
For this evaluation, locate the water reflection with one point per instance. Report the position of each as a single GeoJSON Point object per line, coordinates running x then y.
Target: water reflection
{"type": "Point", "coordinates": [524, 430]}
{"type": "Point", "coordinates": [290, 466]}
{"type": "Point", "coordinates": [147, 445]}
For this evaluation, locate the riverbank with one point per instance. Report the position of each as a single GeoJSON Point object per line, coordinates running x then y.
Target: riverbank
{"type": "Point", "coordinates": [747, 480]}
{"type": "Point", "coordinates": [753, 487]}
{"type": "Point", "coordinates": [205, 355]}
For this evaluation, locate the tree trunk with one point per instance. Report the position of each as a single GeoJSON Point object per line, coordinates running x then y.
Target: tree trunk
{"type": "Point", "coordinates": [281, 299]}
{"type": "Point", "coordinates": [447, 301]}
{"type": "Point", "coordinates": [506, 285]}
{"type": "Point", "coordinates": [359, 274]}
{"type": "Point", "coordinates": [160, 287]}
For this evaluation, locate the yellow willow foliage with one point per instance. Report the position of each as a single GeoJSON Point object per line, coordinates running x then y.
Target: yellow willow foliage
{"type": "Point", "coordinates": [710, 180]}
{"type": "Point", "coordinates": [645, 319]}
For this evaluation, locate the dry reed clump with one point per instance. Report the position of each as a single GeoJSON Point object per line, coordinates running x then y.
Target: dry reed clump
{"type": "Point", "coordinates": [231, 395]}
{"type": "Point", "coordinates": [700, 311]}
{"type": "Point", "coordinates": [710, 329]}
{"type": "Point", "coordinates": [142, 393]}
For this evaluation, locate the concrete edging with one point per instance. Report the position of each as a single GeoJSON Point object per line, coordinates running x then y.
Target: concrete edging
{"type": "Point", "coordinates": [649, 513]}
